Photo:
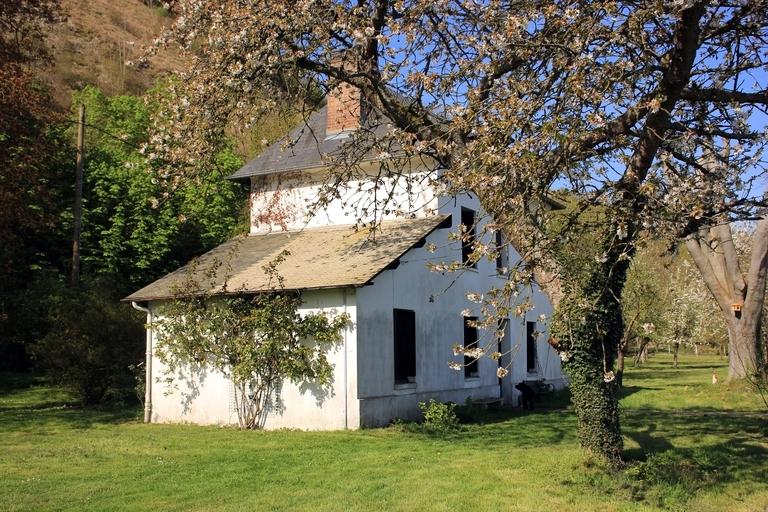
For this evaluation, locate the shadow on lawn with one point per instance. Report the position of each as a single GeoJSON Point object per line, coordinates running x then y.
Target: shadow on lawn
{"type": "Point", "coordinates": [29, 403]}
{"type": "Point", "coordinates": [686, 450]}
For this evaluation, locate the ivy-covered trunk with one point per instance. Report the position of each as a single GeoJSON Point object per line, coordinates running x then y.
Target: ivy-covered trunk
{"type": "Point", "coordinates": [588, 327]}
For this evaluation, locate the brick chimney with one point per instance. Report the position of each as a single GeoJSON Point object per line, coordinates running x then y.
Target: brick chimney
{"type": "Point", "coordinates": [343, 109]}
{"type": "Point", "coordinates": [343, 102]}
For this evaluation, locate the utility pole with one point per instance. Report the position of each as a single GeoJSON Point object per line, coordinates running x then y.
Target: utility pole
{"type": "Point", "coordinates": [78, 213]}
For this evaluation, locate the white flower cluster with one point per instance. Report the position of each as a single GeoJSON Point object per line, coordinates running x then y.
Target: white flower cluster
{"type": "Point", "coordinates": [477, 298]}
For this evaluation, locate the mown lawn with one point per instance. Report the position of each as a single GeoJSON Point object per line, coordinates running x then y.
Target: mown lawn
{"type": "Point", "coordinates": [691, 446]}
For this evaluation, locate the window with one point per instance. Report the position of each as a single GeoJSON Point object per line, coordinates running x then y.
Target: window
{"type": "Point", "coordinates": [470, 342]}
{"type": "Point", "coordinates": [468, 220]}
{"type": "Point", "coordinates": [502, 258]}
{"type": "Point", "coordinates": [530, 346]}
{"type": "Point", "coordinates": [405, 346]}
{"type": "Point", "coordinates": [503, 342]}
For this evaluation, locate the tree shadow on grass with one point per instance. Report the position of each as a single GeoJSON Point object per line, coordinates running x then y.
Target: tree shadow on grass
{"type": "Point", "coordinates": [696, 448]}
{"type": "Point", "coordinates": [64, 415]}
{"type": "Point", "coordinates": [626, 391]}
{"type": "Point", "coordinates": [506, 427]}
{"type": "Point", "coordinates": [28, 403]}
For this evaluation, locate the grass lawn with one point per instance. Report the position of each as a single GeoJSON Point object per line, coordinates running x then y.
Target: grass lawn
{"type": "Point", "coordinates": [692, 446]}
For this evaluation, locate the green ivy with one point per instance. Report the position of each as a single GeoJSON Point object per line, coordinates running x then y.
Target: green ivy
{"type": "Point", "coordinates": [587, 326]}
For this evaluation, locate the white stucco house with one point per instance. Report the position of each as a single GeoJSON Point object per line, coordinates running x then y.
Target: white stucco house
{"type": "Point", "coordinates": [405, 317]}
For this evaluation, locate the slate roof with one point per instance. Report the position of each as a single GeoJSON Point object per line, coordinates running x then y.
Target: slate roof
{"type": "Point", "coordinates": [325, 257]}
{"type": "Point", "coordinates": [307, 145]}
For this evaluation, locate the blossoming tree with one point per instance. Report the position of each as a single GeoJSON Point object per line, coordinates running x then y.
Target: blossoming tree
{"type": "Point", "coordinates": [613, 101]}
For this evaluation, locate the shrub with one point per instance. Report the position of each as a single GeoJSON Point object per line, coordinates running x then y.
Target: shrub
{"type": "Point", "coordinates": [91, 339]}
{"type": "Point", "coordinates": [439, 417]}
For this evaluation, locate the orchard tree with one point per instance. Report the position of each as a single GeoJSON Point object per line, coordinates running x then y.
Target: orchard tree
{"type": "Point", "coordinates": [644, 300]}
{"type": "Point", "coordinates": [612, 101]}
{"type": "Point", "coordinates": [690, 318]}
{"type": "Point", "coordinates": [740, 296]}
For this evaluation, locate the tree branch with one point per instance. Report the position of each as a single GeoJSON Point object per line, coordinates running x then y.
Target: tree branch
{"type": "Point", "coordinates": [758, 267]}
{"type": "Point", "coordinates": [731, 259]}
{"type": "Point", "coordinates": [723, 96]}
{"type": "Point", "coordinates": [700, 259]}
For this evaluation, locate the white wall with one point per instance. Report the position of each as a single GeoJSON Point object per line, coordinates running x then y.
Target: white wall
{"type": "Point", "coordinates": [364, 391]}
{"type": "Point", "coordinates": [282, 202]}
{"type": "Point", "coordinates": [437, 300]}
{"type": "Point", "coordinates": [207, 398]}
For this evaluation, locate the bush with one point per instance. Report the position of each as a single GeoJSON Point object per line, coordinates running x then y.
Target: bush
{"type": "Point", "coordinates": [439, 417]}
{"type": "Point", "coordinates": [91, 340]}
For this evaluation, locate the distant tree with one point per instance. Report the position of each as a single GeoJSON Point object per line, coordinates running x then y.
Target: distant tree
{"type": "Point", "coordinates": [30, 163]}
{"type": "Point", "coordinates": [691, 317]}
{"type": "Point", "coordinates": [612, 100]}
{"type": "Point", "coordinates": [643, 301]}
{"type": "Point", "coordinates": [133, 229]}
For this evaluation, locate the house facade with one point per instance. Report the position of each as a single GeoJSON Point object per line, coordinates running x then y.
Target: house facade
{"type": "Point", "coordinates": [407, 312]}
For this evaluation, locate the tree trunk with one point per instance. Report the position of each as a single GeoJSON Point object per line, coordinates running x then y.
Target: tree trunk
{"type": "Point", "coordinates": [675, 351]}
{"type": "Point", "coordinates": [740, 299]}
{"type": "Point", "coordinates": [589, 324]}
{"type": "Point", "coordinates": [642, 352]}
{"type": "Point", "coordinates": [742, 349]}
{"type": "Point", "coordinates": [620, 365]}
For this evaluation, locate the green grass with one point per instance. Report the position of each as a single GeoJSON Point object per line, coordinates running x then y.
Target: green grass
{"type": "Point", "coordinates": [691, 446]}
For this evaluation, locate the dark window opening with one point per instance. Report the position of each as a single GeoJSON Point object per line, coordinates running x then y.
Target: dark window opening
{"type": "Point", "coordinates": [502, 258]}
{"type": "Point", "coordinates": [468, 240]}
{"type": "Point", "coordinates": [530, 345]}
{"type": "Point", "coordinates": [405, 346]}
{"type": "Point", "coordinates": [470, 342]}
{"type": "Point", "coordinates": [502, 345]}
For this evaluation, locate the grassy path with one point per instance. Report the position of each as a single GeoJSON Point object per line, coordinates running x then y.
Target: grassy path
{"type": "Point", "coordinates": [693, 446]}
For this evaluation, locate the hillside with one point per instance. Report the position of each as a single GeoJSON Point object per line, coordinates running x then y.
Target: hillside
{"type": "Point", "coordinates": [94, 43]}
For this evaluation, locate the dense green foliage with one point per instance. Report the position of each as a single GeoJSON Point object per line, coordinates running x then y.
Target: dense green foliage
{"type": "Point", "coordinates": [133, 229]}
{"type": "Point", "coordinates": [133, 232]}
{"type": "Point", "coordinates": [691, 446]}
{"type": "Point", "coordinates": [89, 339]}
